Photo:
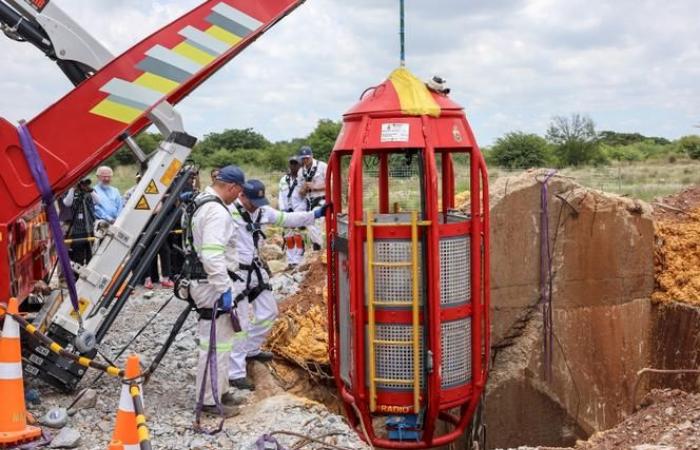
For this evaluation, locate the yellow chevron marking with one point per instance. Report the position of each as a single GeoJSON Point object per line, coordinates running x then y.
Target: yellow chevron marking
{"type": "Point", "coordinates": [156, 82]}
{"type": "Point", "coordinates": [116, 111]}
{"type": "Point", "coordinates": [223, 35]}
{"type": "Point", "coordinates": [193, 53]}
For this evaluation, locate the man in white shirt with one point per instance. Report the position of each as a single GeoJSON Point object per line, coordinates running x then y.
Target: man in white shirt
{"type": "Point", "coordinates": [250, 212]}
{"type": "Point", "coordinates": [290, 200]}
{"type": "Point", "coordinates": [213, 237]}
{"type": "Point", "coordinates": [312, 177]}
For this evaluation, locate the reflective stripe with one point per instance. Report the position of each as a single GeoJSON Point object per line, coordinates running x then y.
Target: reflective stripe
{"type": "Point", "coordinates": [11, 328]}
{"type": "Point", "coordinates": [237, 16]}
{"type": "Point", "coordinates": [132, 447]}
{"type": "Point", "coordinates": [203, 40]}
{"type": "Point", "coordinates": [212, 249]}
{"type": "Point", "coordinates": [126, 403]}
{"type": "Point", "coordinates": [10, 371]}
{"type": "Point", "coordinates": [280, 219]}
{"type": "Point", "coordinates": [263, 323]}
{"type": "Point", "coordinates": [220, 347]}
{"type": "Point", "coordinates": [240, 336]}
{"type": "Point", "coordinates": [134, 95]}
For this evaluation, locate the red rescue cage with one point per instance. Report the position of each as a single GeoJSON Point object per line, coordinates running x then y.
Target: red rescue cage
{"type": "Point", "coordinates": [408, 272]}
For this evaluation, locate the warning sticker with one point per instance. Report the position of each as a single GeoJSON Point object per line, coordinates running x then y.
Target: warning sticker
{"type": "Point", "coordinates": [152, 188]}
{"type": "Point", "coordinates": [395, 132]}
{"type": "Point", "coordinates": [142, 204]}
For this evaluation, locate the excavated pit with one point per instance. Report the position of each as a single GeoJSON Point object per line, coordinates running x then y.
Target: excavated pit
{"type": "Point", "coordinates": [604, 325]}
{"type": "Point", "coordinates": [617, 275]}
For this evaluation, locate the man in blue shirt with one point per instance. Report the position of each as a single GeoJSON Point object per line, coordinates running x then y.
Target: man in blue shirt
{"type": "Point", "coordinates": [109, 200]}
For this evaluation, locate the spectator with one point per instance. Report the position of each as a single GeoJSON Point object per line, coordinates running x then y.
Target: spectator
{"type": "Point", "coordinates": [109, 201]}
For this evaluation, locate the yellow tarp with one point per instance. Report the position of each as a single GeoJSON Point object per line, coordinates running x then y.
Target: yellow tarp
{"type": "Point", "coordinates": [414, 96]}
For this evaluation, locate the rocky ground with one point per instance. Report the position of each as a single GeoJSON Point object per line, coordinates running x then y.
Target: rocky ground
{"type": "Point", "coordinates": [169, 396]}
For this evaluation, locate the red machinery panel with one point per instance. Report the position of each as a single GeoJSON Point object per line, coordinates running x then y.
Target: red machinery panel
{"type": "Point", "coordinates": [408, 274]}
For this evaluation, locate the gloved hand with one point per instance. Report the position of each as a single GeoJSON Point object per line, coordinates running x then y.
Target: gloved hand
{"type": "Point", "coordinates": [225, 301]}
{"type": "Point", "coordinates": [321, 210]}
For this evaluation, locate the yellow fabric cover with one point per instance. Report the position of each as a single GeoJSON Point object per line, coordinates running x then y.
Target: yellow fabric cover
{"type": "Point", "coordinates": [414, 96]}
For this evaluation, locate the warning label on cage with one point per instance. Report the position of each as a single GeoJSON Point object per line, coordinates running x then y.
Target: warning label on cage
{"type": "Point", "coordinates": [395, 132]}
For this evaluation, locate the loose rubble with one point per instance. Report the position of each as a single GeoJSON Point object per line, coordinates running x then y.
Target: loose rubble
{"type": "Point", "coordinates": [169, 396]}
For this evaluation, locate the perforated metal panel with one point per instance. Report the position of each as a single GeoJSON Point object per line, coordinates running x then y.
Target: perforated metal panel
{"type": "Point", "coordinates": [345, 336]}
{"type": "Point", "coordinates": [394, 284]}
{"type": "Point", "coordinates": [456, 347]}
{"type": "Point", "coordinates": [455, 284]}
{"type": "Point", "coordinates": [394, 361]}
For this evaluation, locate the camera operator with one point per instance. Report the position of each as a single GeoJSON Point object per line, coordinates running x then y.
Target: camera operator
{"type": "Point", "coordinates": [81, 201]}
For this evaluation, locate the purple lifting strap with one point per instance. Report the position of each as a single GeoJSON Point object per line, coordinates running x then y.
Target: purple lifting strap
{"type": "Point", "coordinates": [36, 166]}
{"type": "Point", "coordinates": [210, 368]}
{"type": "Point", "coordinates": [546, 276]}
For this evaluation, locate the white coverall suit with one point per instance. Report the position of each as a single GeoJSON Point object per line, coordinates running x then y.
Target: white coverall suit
{"type": "Point", "coordinates": [214, 237]}
{"type": "Point", "coordinates": [289, 200]}
{"type": "Point", "coordinates": [264, 308]}
{"type": "Point", "coordinates": [313, 181]}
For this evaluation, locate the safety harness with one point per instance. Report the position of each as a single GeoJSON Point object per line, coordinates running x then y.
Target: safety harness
{"type": "Point", "coordinates": [309, 175]}
{"type": "Point", "coordinates": [257, 265]}
{"type": "Point", "coordinates": [292, 186]}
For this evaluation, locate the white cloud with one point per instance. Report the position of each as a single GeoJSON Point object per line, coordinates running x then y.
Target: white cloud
{"type": "Point", "coordinates": [632, 65]}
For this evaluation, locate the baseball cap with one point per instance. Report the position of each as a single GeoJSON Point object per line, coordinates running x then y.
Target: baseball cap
{"type": "Point", "coordinates": [255, 191]}
{"type": "Point", "coordinates": [231, 174]}
{"type": "Point", "coordinates": [305, 152]}
{"type": "Point", "coordinates": [293, 159]}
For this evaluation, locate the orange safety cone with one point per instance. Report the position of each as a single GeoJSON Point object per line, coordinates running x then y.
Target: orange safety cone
{"type": "Point", "coordinates": [125, 429]}
{"type": "Point", "coordinates": [13, 414]}
{"type": "Point", "coordinates": [115, 445]}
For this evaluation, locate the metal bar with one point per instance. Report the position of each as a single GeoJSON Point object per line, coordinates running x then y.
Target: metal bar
{"type": "Point", "coordinates": [370, 312]}
{"type": "Point", "coordinates": [391, 264]}
{"type": "Point", "coordinates": [394, 381]}
{"type": "Point", "coordinates": [398, 343]}
{"type": "Point", "coordinates": [420, 223]}
{"type": "Point", "coordinates": [386, 303]}
{"type": "Point", "coordinates": [416, 305]}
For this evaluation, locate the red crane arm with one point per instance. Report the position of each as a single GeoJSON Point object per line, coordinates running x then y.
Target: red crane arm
{"type": "Point", "coordinates": [82, 129]}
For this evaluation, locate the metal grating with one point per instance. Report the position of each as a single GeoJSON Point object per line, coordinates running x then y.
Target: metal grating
{"type": "Point", "coordinates": [394, 284]}
{"type": "Point", "coordinates": [395, 361]}
{"type": "Point", "coordinates": [456, 350]}
{"type": "Point", "coordinates": [455, 280]}
{"type": "Point", "coordinates": [345, 325]}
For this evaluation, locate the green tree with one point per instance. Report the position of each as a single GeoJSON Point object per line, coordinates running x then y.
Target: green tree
{"type": "Point", "coordinates": [518, 150]}
{"type": "Point", "coordinates": [232, 139]}
{"type": "Point", "coordinates": [323, 138]}
{"type": "Point", "coordinates": [690, 145]}
{"type": "Point", "coordinates": [575, 140]}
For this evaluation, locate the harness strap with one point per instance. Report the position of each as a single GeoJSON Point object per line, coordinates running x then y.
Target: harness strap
{"type": "Point", "coordinates": [210, 368]}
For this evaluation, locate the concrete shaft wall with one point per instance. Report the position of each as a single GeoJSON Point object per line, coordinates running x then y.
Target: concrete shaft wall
{"type": "Point", "coordinates": [602, 277]}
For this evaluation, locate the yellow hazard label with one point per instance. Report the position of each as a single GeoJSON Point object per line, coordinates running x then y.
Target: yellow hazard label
{"type": "Point", "coordinates": [152, 188]}
{"type": "Point", "coordinates": [143, 204]}
{"type": "Point", "coordinates": [170, 172]}
{"type": "Point", "coordinates": [82, 306]}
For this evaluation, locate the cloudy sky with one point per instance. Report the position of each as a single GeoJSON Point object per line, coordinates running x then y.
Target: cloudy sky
{"type": "Point", "coordinates": [632, 65]}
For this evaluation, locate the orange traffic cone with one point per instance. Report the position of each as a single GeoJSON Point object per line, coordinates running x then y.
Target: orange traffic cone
{"type": "Point", "coordinates": [13, 414]}
{"type": "Point", "coordinates": [115, 445]}
{"type": "Point", "coordinates": [125, 429]}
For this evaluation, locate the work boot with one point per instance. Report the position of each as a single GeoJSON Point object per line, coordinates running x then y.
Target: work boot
{"type": "Point", "coordinates": [316, 247]}
{"type": "Point", "coordinates": [244, 383]}
{"type": "Point", "coordinates": [226, 411]}
{"type": "Point", "coordinates": [229, 399]}
{"type": "Point", "coordinates": [260, 357]}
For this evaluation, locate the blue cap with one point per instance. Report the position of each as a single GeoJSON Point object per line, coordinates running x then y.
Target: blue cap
{"type": "Point", "coordinates": [231, 174]}
{"type": "Point", "coordinates": [255, 191]}
{"type": "Point", "coordinates": [305, 152]}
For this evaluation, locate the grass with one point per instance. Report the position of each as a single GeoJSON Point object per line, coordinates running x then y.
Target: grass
{"type": "Point", "coordinates": [644, 180]}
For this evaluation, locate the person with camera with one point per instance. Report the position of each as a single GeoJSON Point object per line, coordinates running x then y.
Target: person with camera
{"type": "Point", "coordinates": [80, 200]}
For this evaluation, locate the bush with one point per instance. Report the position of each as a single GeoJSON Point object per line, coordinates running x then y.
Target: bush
{"type": "Point", "coordinates": [518, 150]}
{"type": "Point", "coordinates": [575, 140]}
{"type": "Point", "coordinates": [627, 153]}
{"type": "Point", "coordinates": [690, 145]}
